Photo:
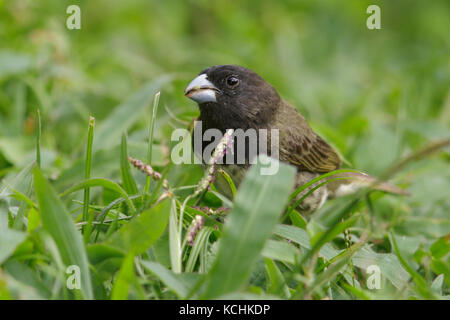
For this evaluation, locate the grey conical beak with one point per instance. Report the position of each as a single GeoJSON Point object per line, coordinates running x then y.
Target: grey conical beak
{"type": "Point", "coordinates": [201, 90]}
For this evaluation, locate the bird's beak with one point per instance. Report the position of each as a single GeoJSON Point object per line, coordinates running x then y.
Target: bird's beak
{"type": "Point", "coordinates": [201, 90]}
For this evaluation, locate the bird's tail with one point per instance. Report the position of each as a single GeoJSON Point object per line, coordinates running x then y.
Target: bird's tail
{"type": "Point", "coordinates": [350, 182]}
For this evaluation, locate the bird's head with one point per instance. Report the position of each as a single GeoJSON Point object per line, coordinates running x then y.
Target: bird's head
{"type": "Point", "coordinates": [233, 97]}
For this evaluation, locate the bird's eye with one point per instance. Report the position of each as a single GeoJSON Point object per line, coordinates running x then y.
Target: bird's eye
{"type": "Point", "coordinates": [232, 81]}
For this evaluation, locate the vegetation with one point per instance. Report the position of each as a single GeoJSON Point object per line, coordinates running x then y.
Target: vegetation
{"type": "Point", "coordinates": [76, 104]}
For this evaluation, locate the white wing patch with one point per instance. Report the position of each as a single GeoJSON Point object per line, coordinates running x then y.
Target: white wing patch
{"type": "Point", "coordinates": [346, 189]}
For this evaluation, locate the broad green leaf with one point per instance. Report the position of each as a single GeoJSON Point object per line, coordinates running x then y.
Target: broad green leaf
{"type": "Point", "coordinates": [441, 267]}
{"type": "Point", "coordinates": [99, 252]}
{"type": "Point", "coordinates": [125, 278]}
{"type": "Point", "coordinates": [57, 221]}
{"type": "Point", "coordinates": [422, 286]}
{"type": "Point", "coordinates": [437, 283]}
{"type": "Point", "coordinates": [9, 240]}
{"type": "Point", "coordinates": [160, 251]}
{"type": "Point", "coordinates": [23, 273]}
{"type": "Point", "coordinates": [441, 247]}
{"type": "Point", "coordinates": [172, 280]}
{"type": "Point", "coordinates": [34, 220]}
{"type": "Point", "coordinates": [259, 203]}
{"type": "Point", "coordinates": [294, 234]}
{"type": "Point", "coordinates": [140, 233]}
{"type": "Point", "coordinates": [363, 258]}
{"type": "Point", "coordinates": [301, 237]}
{"type": "Point", "coordinates": [297, 219]}
{"type": "Point", "coordinates": [387, 262]}
{"type": "Point", "coordinates": [276, 282]}
{"type": "Point", "coordinates": [280, 251]}
{"type": "Point", "coordinates": [4, 293]}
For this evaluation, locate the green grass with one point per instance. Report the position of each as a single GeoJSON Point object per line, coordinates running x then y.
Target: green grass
{"type": "Point", "coordinates": [69, 196]}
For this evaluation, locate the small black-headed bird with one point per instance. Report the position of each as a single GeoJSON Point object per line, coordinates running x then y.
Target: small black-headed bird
{"type": "Point", "coordinates": [234, 97]}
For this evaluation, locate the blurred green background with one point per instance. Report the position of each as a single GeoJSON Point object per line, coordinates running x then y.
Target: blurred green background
{"type": "Point", "coordinates": [376, 95]}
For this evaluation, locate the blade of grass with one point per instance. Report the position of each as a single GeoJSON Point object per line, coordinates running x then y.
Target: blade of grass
{"type": "Point", "coordinates": [334, 229]}
{"type": "Point", "coordinates": [276, 282]}
{"type": "Point", "coordinates": [321, 177]}
{"type": "Point", "coordinates": [100, 182]}
{"type": "Point", "coordinates": [307, 194]}
{"type": "Point", "coordinates": [340, 262]}
{"type": "Point", "coordinates": [25, 202]}
{"type": "Point", "coordinates": [150, 138]}
{"type": "Point", "coordinates": [19, 219]}
{"type": "Point", "coordinates": [201, 240]}
{"type": "Point", "coordinates": [229, 181]}
{"type": "Point", "coordinates": [106, 209]}
{"type": "Point", "coordinates": [297, 219]}
{"type": "Point", "coordinates": [38, 139]}
{"type": "Point", "coordinates": [20, 182]}
{"type": "Point", "coordinates": [174, 239]}
{"type": "Point", "coordinates": [127, 178]}
{"type": "Point", "coordinates": [87, 174]}
{"type": "Point", "coordinates": [57, 221]}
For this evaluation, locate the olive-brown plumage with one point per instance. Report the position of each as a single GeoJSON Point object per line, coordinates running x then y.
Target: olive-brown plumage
{"type": "Point", "coordinates": [301, 146]}
{"type": "Point", "coordinates": [234, 97]}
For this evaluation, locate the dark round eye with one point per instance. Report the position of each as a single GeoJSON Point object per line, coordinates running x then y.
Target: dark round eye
{"type": "Point", "coordinates": [232, 81]}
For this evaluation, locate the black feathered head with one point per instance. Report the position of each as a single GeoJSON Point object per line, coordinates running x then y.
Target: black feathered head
{"type": "Point", "coordinates": [233, 97]}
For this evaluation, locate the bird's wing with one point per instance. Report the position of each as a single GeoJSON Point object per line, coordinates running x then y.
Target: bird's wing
{"type": "Point", "coordinates": [313, 154]}
{"type": "Point", "coordinates": [302, 147]}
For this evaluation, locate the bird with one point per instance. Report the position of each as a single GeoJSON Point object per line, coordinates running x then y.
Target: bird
{"type": "Point", "coordinates": [235, 97]}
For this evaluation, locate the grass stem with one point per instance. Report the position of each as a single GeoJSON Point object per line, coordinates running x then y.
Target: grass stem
{"type": "Point", "coordinates": [150, 138]}
{"type": "Point", "coordinates": [87, 175]}
{"type": "Point", "coordinates": [38, 139]}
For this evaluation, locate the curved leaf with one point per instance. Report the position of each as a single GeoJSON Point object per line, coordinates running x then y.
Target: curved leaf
{"type": "Point", "coordinates": [100, 182]}
{"type": "Point", "coordinates": [259, 203]}
{"type": "Point", "coordinates": [57, 221]}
